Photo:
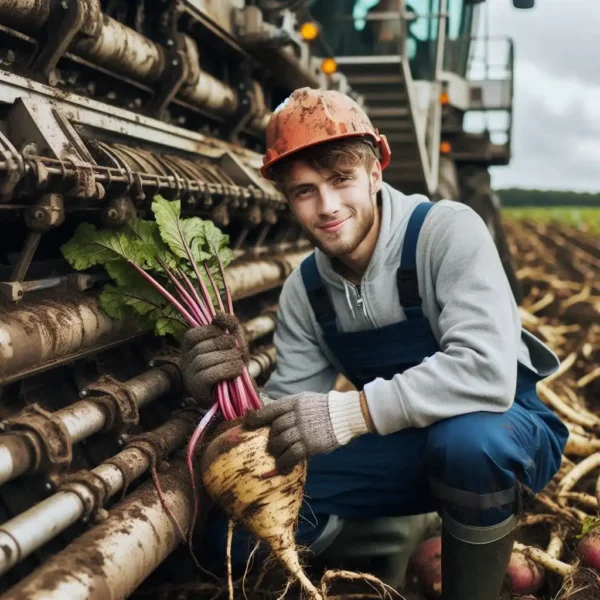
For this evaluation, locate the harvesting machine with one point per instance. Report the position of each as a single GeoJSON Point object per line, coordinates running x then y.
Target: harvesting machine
{"type": "Point", "coordinates": [104, 104]}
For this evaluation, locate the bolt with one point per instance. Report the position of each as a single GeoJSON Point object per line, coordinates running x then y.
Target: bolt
{"type": "Point", "coordinates": [48, 486]}
{"type": "Point", "coordinates": [101, 515]}
{"type": "Point", "coordinates": [64, 5]}
{"type": "Point", "coordinates": [113, 213]}
{"type": "Point", "coordinates": [3, 426]}
{"type": "Point", "coordinates": [83, 394]}
{"type": "Point", "coordinates": [38, 214]}
{"type": "Point", "coordinates": [175, 62]}
{"type": "Point", "coordinates": [170, 42]}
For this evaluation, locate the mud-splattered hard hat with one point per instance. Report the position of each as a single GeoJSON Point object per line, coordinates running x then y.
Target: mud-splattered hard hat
{"type": "Point", "coordinates": [309, 117]}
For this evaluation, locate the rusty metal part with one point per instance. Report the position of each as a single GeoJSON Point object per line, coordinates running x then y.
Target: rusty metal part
{"type": "Point", "coordinates": [82, 494]}
{"type": "Point", "coordinates": [138, 534]}
{"type": "Point", "coordinates": [97, 492]}
{"type": "Point", "coordinates": [36, 336]}
{"type": "Point", "coordinates": [204, 90]}
{"type": "Point", "coordinates": [15, 456]}
{"type": "Point", "coordinates": [261, 325]}
{"type": "Point", "coordinates": [88, 417]}
{"type": "Point", "coordinates": [123, 50]}
{"type": "Point", "coordinates": [30, 15]}
{"type": "Point", "coordinates": [262, 274]}
{"type": "Point", "coordinates": [13, 291]}
{"type": "Point", "coordinates": [40, 127]}
{"type": "Point", "coordinates": [91, 116]}
{"type": "Point", "coordinates": [48, 212]}
{"type": "Point", "coordinates": [21, 452]}
{"type": "Point", "coordinates": [177, 72]}
{"type": "Point", "coordinates": [140, 173]}
{"type": "Point", "coordinates": [66, 19]}
{"type": "Point", "coordinates": [30, 245]}
{"type": "Point", "coordinates": [261, 362]}
{"type": "Point", "coordinates": [39, 335]}
{"type": "Point", "coordinates": [48, 438]}
{"type": "Point", "coordinates": [119, 403]}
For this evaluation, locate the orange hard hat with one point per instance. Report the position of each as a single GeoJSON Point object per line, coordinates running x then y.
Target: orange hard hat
{"type": "Point", "coordinates": [309, 117]}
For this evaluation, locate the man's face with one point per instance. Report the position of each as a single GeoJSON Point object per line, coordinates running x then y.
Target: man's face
{"type": "Point", "coordinates": [335, 212]}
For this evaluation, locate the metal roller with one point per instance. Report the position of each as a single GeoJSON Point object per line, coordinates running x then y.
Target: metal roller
{"type": "Point", "coordinates": [39, 335]}
{"type": "Point", "coordinates": [28, 15]}
{"type": "Point", "coordinates": [86, 418]}
{"type": "Point", "coordinates": [24, 534]}
{"type": "Point", "coordinates": [124, 51]}
{"type": "Point", "coordinates": [46, 333]}
{"type": "Point", "coordinates": [113, 558]}
{"type": "Point", "coordinates": [81, 420]}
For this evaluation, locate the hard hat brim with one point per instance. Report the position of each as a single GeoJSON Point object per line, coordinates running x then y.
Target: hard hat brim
{"type": "Point", "coordinates": [381, 144]}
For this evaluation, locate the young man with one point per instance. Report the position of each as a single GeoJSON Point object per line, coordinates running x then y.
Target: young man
{"type": "Point", "coordinates": [409, 300]}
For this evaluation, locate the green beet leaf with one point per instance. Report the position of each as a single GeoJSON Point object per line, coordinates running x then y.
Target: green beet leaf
{"type": "Point", "coordinates": [89, 247]}
{"type": "Point", "coordinates": [152, 247]}
{"type": "Point", "coordinates": [217, 244]}
{"type": "Point", "coordinates": [179, 234]}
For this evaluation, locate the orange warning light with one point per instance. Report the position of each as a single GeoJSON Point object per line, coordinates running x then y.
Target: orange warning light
{"type": "Point", "coordinates": [445, 147]}
{"type": "Point", "coordinates": [329, 66]}
{"type": "Point", "coordinates": [444, 98]}
{"type": "Point", "coordinates": [309, 31]}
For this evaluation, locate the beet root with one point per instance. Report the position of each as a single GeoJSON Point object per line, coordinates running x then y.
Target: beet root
{"type": "Point", "coordinates": [523, 575]}
{"type": "Point", "coordinates": [425, 566]}
{"type": "Point", "coordinates": [588, 549]}
{"type": "Point", "coordinates": [241, 477]}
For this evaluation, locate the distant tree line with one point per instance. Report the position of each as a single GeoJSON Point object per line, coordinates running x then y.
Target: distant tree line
{"type": "Point", "coordinates": [526, 197]}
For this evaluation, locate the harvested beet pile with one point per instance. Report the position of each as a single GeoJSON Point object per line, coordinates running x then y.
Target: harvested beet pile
{"type": "Point", "coordinates": [559, 268]}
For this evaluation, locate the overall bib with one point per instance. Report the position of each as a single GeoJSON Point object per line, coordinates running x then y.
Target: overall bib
{"type": "Point", "coordinates": [467, 465]}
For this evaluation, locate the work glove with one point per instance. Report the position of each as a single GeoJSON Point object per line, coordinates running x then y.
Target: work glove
{"type": "Point", "coordinates": [209, 355]}
{"type": "Point", "coordinates": [308, 423]}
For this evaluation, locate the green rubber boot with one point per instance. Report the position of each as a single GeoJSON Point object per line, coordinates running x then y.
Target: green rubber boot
{"type": "Point", "coordinates": [475, 559]}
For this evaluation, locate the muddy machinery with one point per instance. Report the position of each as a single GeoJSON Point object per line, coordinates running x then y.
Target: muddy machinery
{"type": "Point", "coordinates": [104, 104]}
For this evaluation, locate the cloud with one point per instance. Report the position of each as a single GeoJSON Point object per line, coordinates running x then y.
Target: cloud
{"type": "Point", "coordinates": [556, 130]}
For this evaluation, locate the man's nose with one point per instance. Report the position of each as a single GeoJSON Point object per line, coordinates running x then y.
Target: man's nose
{"type": "Point", "coordinates": [330, 202]}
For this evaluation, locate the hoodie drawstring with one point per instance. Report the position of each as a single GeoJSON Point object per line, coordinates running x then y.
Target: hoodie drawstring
{"type": "Point", "coordinates": [348, 299]}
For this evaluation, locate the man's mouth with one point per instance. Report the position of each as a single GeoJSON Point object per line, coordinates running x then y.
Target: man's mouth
{"type": "Point", "coordinates": [333, 226]}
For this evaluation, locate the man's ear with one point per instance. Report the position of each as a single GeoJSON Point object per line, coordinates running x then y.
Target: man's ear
{"type": "Point", "coordinates": [376, 177]}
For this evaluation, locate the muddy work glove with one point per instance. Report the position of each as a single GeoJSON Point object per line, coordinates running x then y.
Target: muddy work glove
{"type": "Point", "coordinates": [209, 355]}
{"type": "Point", "coordinates": [306, 424]}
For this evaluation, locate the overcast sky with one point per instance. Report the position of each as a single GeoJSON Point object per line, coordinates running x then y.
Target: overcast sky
{"type": "Point", "coordinates": [556, 132]}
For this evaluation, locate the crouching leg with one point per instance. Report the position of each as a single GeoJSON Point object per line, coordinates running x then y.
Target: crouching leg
{"type": "Point", "coordinates": [477, 465]}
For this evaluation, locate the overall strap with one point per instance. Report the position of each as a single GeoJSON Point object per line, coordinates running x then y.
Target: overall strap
{"type": "Point", "coordinates": [408, 283]}
{"type": "Point", "coordinates": [317, 294]}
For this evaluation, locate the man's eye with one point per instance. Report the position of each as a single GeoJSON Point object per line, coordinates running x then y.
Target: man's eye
{"type": "Point", "coordinates": [342, 180]}
{"type": "Point", "coordinates": [303, 191]}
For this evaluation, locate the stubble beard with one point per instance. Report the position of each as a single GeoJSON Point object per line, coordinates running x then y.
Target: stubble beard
{"type": "Point", "coordinates": [332, 244]}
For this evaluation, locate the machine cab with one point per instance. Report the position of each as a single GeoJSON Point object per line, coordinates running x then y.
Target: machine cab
{"type": "Point", "coordinates": [428, 81]}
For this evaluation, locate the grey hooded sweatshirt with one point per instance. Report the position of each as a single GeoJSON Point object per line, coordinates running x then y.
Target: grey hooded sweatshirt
{"type": "Point", "coordinates": [466, 298]}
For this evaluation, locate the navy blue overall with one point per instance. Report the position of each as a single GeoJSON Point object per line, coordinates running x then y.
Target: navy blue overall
{"type": "Point", "coordinates": [468, 464]}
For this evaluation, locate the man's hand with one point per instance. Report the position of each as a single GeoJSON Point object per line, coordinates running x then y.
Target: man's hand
{"type": "Point", "coordinates": [308, 423]}
{"type": "Point", "coordinates": [209, 355]}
